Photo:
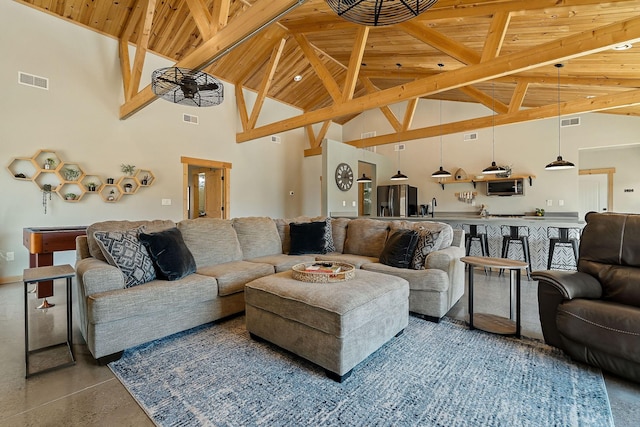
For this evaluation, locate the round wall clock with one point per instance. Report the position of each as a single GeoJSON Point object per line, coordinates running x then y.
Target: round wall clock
{"type": "Point", "coordinates": [344, 177]}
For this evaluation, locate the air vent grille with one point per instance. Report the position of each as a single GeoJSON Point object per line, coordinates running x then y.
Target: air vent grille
{"type": "Point", "coordinates": [276, 139]}
{"type": "Point", "coordinates": [188, 118]}
{"type": "Point", "coordinates": [471, 136]}
{"type": "Point", "coordinates": [399, 147]}
{"type": "Point", "coordinates": [367, 134]}
{"type": "Point", "coordinates": [570, 121]}
{"type": "Point", "coordinates": [33, 80]}
{"type": "Point", "coordinates": [372, 149]}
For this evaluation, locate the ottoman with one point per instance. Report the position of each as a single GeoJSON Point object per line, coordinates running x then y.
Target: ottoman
{"type": "Point", "coordinates": [334, 325]}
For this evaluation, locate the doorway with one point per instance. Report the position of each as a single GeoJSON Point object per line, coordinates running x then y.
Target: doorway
{"type": "Point", "coordinates": [206, 184]}
{"type": "Point", "coordinates": [595, 190]}
{"type": "Point", "coordinates": [366, 197]}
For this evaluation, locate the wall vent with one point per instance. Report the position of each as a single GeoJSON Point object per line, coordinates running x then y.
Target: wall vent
{"type": "Point", "coordinates": [570, 121]}
{"type": "Point", "coordinates": [188, 118]}
{"type": "Point", "coordinates": [399, 147]}
{"type": "Point", "coordinates": [276, 139]}
{"type": "Point", "coordinates": [471, 136]}
{"type": "Point", "coordinates": [33, 81]}
{"type": "Point", "coordinates": [372, 149]}
{"type": "Point", "coordinates": [365, 135]}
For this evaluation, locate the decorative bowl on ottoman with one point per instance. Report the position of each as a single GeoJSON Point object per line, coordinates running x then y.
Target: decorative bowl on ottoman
{"type": "Point", "coordinates": [323, 272]}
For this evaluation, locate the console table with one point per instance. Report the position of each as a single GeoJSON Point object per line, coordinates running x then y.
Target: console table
{"type": "Point", "coordinates": [491, 322]}
{"type": "Point", "coordinates": [39, 274]}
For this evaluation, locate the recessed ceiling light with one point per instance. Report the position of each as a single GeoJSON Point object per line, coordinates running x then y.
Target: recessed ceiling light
{"type": "Point", "coordinates": [297, 78]}
{"type": "Point", "coordinates": [625, 46]}
{"type": "Point", "coordinates": [590, 96]}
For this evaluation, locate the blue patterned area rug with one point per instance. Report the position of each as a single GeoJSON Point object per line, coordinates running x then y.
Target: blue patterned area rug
{"type": "Point", "coordinates": [432, 375]}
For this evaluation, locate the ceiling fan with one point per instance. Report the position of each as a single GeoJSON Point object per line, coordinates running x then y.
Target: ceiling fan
{"type": "Point", "coordinates": [187, 87]}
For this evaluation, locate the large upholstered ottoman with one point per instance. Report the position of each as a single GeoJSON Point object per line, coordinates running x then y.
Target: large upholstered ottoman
{"type": "Point", "coordinates": [335, 325]}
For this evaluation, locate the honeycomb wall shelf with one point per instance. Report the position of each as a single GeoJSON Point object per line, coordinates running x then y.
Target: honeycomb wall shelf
{"type": "Point", "coordinates": [71, 182]}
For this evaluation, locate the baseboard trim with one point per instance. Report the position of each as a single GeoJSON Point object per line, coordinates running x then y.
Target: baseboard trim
{"type": "Point", "coordinates": [10, 279]}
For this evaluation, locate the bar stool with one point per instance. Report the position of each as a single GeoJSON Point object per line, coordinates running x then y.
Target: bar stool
{"type": "Point", "coordinates": [476, 235]}
{"type": "Point", "coordinates": [564, 237]}
{"type": "Point", "coordinates": [516, 234]}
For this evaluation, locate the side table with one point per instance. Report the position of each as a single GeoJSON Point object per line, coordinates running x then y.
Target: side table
{"type": "Point", "coordinates": [491, 322]}
{"type": "Point", "coordinates": [40, 274]}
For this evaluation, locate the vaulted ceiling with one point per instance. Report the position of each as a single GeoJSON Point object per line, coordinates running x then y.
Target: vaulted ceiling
{"type": "Point", "coordinates": [460, 50]}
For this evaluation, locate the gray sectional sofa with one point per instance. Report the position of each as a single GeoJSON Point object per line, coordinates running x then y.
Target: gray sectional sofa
{"type": "Point", "coordinates": [231, 253]}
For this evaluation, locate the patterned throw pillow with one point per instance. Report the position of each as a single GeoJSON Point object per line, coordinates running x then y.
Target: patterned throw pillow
{"type": "Point", "coordinates": [426, 242]}
{"type": "Point", "coordinates": [124, 250]}
{"type": "Point", "coordinates": [328, 237]}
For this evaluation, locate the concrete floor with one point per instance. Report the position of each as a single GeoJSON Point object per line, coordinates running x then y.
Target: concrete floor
{"type": "Point", "coordinates": [87, 394]}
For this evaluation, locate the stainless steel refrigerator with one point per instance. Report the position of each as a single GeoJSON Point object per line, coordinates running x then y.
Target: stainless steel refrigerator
{"type": "Point", "coordinates": [397, 200]}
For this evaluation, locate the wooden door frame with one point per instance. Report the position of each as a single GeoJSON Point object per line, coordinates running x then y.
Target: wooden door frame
{"type": "Point", "coordinates": [603, 171]}
{"type": "Point", "coordinates": [214, 164]}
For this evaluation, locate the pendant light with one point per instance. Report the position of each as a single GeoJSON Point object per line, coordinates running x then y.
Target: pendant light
{"type": "Point", "coordinates": [364, 179]}
{"type": "Point", "coordinates": [493, 169]}
{"type": "Point", "coordinates": [399, 176]}
{"type": "Point", "coordinates": [441, 173]}
{"type": "Point", "coordinates": [559, 163]}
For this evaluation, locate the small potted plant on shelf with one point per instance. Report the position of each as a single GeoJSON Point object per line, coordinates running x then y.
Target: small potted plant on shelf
{"type": "Point", "coordinates": [127, 169]}
{"type": "Point", "coordinates": [145, 180]}
{"type": "Point", "coordinates": [539, 212]}
{"type": "Point", "coordinates": [71, 174]}
{"type": "Point", "coordinates": [128, 187]}
{"type": "Point", "coordinates": [50, 163]}
{"type": "Point", "coordinates": [112, 195]}
{"type": "Point", "coordinates": [91, 186]}
{"type": "Point", "coordinates": [109, 180]}
{"type": "Point", "coordinates": [70, 196]}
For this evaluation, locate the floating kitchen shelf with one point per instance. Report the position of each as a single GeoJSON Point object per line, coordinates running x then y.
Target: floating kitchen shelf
{"type": "Point", "coordinates": [474, 181]}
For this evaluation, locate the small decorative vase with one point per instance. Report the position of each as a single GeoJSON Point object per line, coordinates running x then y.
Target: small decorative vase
{"type": "Point", "coordinates": [109, 180]}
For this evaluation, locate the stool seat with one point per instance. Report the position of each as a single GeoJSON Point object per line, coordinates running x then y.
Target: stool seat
{"type": "Point", "coordinates": [516, 234]}
{"type": "Point", "coordinates": [563, 236]}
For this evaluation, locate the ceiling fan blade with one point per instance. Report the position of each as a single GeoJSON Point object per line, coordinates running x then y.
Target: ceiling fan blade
{"type": "Point", "coordinates": [209, 86]}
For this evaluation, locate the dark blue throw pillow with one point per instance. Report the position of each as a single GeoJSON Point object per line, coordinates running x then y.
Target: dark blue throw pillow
{"type": "Point", "coordinates": [399, 249]}
{"type": "Point", "coordinates": [170, 255]}
{"type": "Point", "coordinates": [307, 238]}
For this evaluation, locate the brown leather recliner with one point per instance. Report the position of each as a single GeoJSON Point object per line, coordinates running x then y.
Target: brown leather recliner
{"type": "Point", "coordinates": [594, 314]}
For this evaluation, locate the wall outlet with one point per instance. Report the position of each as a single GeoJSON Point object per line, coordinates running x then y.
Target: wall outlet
{"type": "Point", "coordinates": [344, 203]}
{"type": "Point", "coordinates": [560, 202]}
{"type": "Point", "coordinates": [549, 202]}
{"type": "Point", "coordinates": [353, 203]}
{"type": "Point", "coordinates": [10, 256]}
{"type": "Point", "coordinates": [166, 202]}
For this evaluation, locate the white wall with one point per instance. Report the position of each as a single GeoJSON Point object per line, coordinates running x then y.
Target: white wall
{"type": "Point", "coordinates": [527, 147]}
{"type": "Point", "coordinates": [78, 118]}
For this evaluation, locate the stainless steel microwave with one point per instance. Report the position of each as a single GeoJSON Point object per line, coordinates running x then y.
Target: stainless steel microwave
{"type": "Point", "coordinates": [506, 187]}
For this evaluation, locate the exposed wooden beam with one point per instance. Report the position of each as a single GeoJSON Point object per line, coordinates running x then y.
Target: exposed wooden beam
{"type": "Point", "coordinates": [439, 41]}
{"type": "Point", "coordinates": [574, 107]}
{"type": "Point", "coordinates": [386, 111]}
{"type": "Point", "coordinates": [141, 48]}
{"type": "Point", "coordinates": [573, 46]}
{"type": "Point", "coordinates": [254, 19]}
{"type": "Point", "coordinates": [409, 113]}
{"type": "Point", "coordinates": [518, 96]}
{"type": "Point", "coordinates": [267, 79]}
{"type": "Point", "coordinates": [242, 107]}
{"type": "Point", "coordinates": [220, 15]}
{"type": "Point", "coordinates": [355, 62]}
{"type": "Point", "coordinates": [485, 99]}
{"type": "Point", "coordinates": [495, 36]}
{"type": "Point", "coordinates": [323, 73]}
{"type": "Point", "coordinates": [201, 17]}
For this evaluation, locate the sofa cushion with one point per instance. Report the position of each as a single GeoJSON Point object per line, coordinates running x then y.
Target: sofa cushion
{"type": "Point", "coordinates": [431, 280]}
{"type": "Point", "coordinates": [339, 232]}
{"type": "Point", "coordinates": [445, 231]}
{"type": "Point", "coordinates": [309, 238]}
{"type": "Point", "coordinates": [366, 237]}
{"type": "Point", "coordinates": [258, 236]}
{"type": "Point", "coordinates": [149, 227]}
{"type": "Point", "coordinates": [124, 250]}
{"type": "Point", "coordinates": [282, 262]}
{"type": "Point", "coordinates": [399, 249]}
{"type": "Point", "coordinates": [356, 260]}
{"type": "Point", "coordinates": [211, 241]}
{"type": "Point", "coordinates": [171, 257]}
{"type": "Point", "coordinates": [232, 276]}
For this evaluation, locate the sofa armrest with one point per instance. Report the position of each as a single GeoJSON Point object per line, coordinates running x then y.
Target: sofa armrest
{"type": "Point", "coordinates": [82, 248]}
{"type": "Point", "coordinates": [443, 258]}
{"type": "Point", "coordinates": [570, 284]}
{"type": "Point", "coordinates": [95, 276]}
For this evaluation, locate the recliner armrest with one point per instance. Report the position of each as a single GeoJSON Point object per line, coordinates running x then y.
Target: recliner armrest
{"type": "Point", "coordinates": [571, 284]}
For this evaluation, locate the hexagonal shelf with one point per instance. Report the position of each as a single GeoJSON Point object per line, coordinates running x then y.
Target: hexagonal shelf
{"type": "Point", "coordinates": [47, 177]}
{"type": "Point", "coordinates": [47, 159]}
{"type": "Point", "coordinates": [128, 185]}
{"type": "Point", "coordinates": [23, 168]}
{"type": "Point", "coordinates": [70, 172]}
{"type": "Point", "coordinates": [71, 192]}
{"type": "Point", "coordinates": [110, 193]}
{"type": "Point", "coordinates": [145, 177]}
{"type": "Point", "coordinates": [93, 183]}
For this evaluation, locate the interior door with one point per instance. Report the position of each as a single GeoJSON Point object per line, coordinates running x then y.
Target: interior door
{"type": "Point", "coordinates": [213, 202]}
{"type": "Point", "coordinates": [593, 193]}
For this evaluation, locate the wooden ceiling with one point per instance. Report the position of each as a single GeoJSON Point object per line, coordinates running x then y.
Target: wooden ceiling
{"type": "Point", "coordinates": [460, 50]}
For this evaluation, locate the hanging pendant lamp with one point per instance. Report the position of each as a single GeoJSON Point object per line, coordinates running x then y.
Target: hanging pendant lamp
{"type": "Point", "coordinates": [377, 13]}
{"type": "Point", "coordinates": [559, 163]}
{"type": "Point", "coordinates": [493, 169]}
{"type": "Point", "coordinates": [399, 176]}
{"type": "Point", "coordinates": [364, 179]}
{"type": "Point", "coordinates": [441, 173]}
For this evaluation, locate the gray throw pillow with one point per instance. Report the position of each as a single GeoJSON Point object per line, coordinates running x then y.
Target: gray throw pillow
{"type": "Point", "coordinates": [124, 250]}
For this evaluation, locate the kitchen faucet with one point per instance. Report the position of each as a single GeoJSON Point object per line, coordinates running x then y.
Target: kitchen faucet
{"type": "Point", "coordinates": [434, 203]}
